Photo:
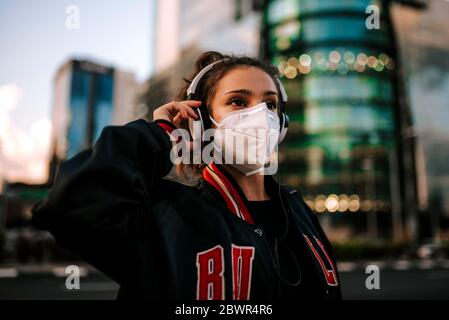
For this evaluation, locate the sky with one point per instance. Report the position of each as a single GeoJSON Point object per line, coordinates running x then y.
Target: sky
{"type": "Point", "coordinates": [36, 37]}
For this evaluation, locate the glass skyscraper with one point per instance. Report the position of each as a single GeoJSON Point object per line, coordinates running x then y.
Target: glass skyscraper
{"type": "Point", "coordinates": [90, 105]}
{"type": "Point", "coordinates": [88, 96]}
{"type": "Point", "coordinates": [339, 70]}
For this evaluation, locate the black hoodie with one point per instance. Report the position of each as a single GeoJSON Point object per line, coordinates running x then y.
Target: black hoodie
{"type": "Point", "coordinates": [159, 239]}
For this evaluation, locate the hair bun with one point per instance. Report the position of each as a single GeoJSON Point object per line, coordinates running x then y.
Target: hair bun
{"type": "Point", "coordinates": [207, 58]}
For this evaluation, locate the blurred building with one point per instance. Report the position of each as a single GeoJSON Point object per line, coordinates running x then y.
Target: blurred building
{"type": "Point", "coordinates": [88, 96]}
{"type": "Point", "coordinates": [423, 37]}
{"type": "Point", "coordinates": [2, 169]}
{"type": "Point", "coordinates": [363, 149]}
{"type": "Point", "coordinates": [2, 180]}
{"type": "Point", "coordinates": [196, 26]}
{"type": "Point", "coordinates": [228, 26]}
{"type": "Point", "coordinates": [347, 149]}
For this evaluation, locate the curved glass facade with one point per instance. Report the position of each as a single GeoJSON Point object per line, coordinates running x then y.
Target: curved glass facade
{"type": "Point", "coordinates": [339, 75]}
{"type": "Point", "coordinates": [91, 105]}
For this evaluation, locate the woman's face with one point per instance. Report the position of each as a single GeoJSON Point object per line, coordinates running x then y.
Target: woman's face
{"type": "Point", "coordinates": [243, 87]}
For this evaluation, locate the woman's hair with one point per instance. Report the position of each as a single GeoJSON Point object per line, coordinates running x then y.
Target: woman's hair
{"type": "Point", "coordinates": [206, 88]}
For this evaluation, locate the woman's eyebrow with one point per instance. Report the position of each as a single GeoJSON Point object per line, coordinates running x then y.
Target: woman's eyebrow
{"type": "Point", "coordinates": [249, 92]}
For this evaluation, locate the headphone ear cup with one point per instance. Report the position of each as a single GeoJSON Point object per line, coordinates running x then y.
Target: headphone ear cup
{"type": "Point", "coordinates": [203, 121]}
{"type": "Point", "coordinates": [207, 124]}
{"type": "Point", "coordinates": [195, 129]}
{"type": "Point", "coordinates": [284, 127]}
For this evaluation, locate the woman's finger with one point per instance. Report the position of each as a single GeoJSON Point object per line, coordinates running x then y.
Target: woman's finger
{"type": "Point", "coordinates": [177, 120]}
{"type": "Point", "coordinates": [192, 113]}
{"type": "Point", "coordinates": [174, 107]}
{"type": "Point", "coordinates": [180, 116]}
{"type": "Point", "coordinates": [184, 114]}
{"type": "Point", "coordinates": [171, 109]}
{"type": "Point", "coordinates": [185, 110]}
{"type": "Point", "coordinates": [192, 103]}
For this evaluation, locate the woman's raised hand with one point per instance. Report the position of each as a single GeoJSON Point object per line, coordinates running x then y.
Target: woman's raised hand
{"type": "Point", "coordinates": [177, 111]}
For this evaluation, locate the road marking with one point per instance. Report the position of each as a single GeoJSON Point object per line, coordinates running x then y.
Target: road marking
{"type": "Point", "coordinates": [380, 264]}
{"type": "Point", "coordinates": [402, 265]}
{"type": "Point", "coordinates": [346, 266]}
{"type": "Point", "coordinates": [8, 273]}
{"type": "Point", "coordinates": [426, 264]}
{"type": "Point", "coordinates": [60, 272]}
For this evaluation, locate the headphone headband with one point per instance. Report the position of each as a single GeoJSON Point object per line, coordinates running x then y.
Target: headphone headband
{"type": "Point", "coordinates": [192, 88]}
{"type": "Point", "coordinates": [194, 84]}
{"type": "Point", "coordinates": [284, 96]}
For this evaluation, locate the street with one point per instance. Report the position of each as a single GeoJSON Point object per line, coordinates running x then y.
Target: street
{"type": "Point", "coordinates": [400, 280]}
{"type": "Point", "coordinates": [398, 285]}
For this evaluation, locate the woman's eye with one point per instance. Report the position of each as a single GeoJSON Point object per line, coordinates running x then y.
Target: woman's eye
{"type": "Point", "coordinates": [238, 102]}
{"type": "Point", "coordinates": [271, 105]}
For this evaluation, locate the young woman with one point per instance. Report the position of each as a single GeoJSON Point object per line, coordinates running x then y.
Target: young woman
{"type": "Point", "coordinates": [127, 210]}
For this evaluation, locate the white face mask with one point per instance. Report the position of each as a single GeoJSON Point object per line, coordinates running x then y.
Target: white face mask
{"type": "Point", "coordinates": [247, 138]}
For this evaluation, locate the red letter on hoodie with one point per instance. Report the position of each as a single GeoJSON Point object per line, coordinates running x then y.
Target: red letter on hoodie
{"type": "Point", "coordinates": [210, 267]}
{"type": "Point", "coordinates": [242, 267]}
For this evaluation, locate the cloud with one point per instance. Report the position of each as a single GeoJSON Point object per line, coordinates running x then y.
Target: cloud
{"type": "Point", "coordinates": [24, 154]}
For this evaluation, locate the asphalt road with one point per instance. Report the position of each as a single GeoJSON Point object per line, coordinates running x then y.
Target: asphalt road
{"type": "Point", "coordinates": [411, 283]}
{"type": "Point", "coordinates": [48, 286]}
